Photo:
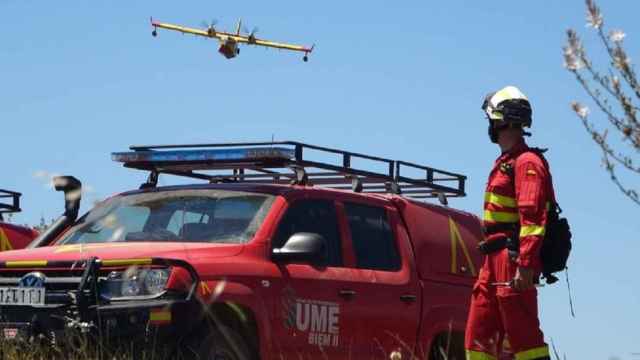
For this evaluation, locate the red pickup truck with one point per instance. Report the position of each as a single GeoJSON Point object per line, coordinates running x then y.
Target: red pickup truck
{"type": "Point", "coordinates": [276, 257]}
{"type": "Point", "coordinates": [13, 236]}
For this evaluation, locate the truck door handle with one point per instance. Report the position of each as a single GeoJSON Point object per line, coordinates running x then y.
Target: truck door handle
{"type": "Point", "coordinates": [408, 298]}
{"type": "Point", "coordinates": [347, 294]}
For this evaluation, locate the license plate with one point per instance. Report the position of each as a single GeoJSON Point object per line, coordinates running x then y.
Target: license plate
{"type": "Point", "coordinates": [22, 295]}
{"type": "Point", "coordinates": [10, 333]}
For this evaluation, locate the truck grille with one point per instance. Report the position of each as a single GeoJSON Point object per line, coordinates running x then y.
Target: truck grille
{"type": "Point", "coordinates": [58, 283]}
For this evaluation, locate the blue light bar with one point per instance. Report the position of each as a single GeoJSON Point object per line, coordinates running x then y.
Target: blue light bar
{"type": "Point", "coordinates": [239, 154]}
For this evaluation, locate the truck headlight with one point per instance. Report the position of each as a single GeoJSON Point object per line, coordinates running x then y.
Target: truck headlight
{"type": "Point", "coordinates": [134, 283]}
{"type": "Point", "coordinates": [155, 281]}
{"type": "Point", "coordinates": [130, 285]}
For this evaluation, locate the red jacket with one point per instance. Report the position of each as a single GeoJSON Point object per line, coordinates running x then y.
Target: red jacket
{"type": "Point", "coordinates": [525, 202]}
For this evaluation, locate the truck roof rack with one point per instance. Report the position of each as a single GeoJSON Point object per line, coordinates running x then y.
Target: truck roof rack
{"type": "Point", "coordinates": [290, 162]}
{"type": "Point", "coordinates": [14, 204]}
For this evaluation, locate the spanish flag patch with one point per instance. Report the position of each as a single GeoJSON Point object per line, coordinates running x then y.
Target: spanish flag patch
{"type": "Point", "coordinates": [160, 316]}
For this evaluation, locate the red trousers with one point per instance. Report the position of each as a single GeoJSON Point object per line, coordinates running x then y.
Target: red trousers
{"type": "Point", "coordinates": [497, 311]}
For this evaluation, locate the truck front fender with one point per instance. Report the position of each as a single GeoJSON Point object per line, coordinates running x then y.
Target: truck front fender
{"type": "Point", "coordinates": [242, 299]}
{"type": "Point", "coordinates": [441, 320]}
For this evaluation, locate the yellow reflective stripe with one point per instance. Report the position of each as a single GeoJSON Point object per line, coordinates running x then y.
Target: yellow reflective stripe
{"type": "Point", "coordinates": [26, 263]}
{"type": "Point", "coordinates": [501, 200]}
{"type": "Point", "coordinates": [478, 355]}
{"type": "Point", "coordinates": [500, 216]}
{"type": "Point", "coordinates": [123, 262]}
{"type": "Point", "coordinates": [534, 353]}
{"type": "Point", "coordinates": [530, 230]}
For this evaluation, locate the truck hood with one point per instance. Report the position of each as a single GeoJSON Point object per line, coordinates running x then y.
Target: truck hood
{"type": "Point", "coordinates": [128, 250]}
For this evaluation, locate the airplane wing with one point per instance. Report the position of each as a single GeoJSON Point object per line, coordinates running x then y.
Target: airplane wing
{"type": "Point", "coordinates": [277, 45]}
{"type": "Point", "coordinates": [182, 29]}
{"type": "Point", "coordinates": [267, 43]}
{"type": "Point", "coordinates": [221, 35]}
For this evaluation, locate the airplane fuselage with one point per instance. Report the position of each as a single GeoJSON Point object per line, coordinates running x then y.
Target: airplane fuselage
{"type": "Point", "coordinates": [229, 48]}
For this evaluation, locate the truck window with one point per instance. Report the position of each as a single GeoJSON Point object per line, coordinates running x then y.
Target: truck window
{"type": "Point", "coordinates": [314, 216]}
{"type": "Point", "coordinates": [372, 238]}
{"type": "Point", "coordinates": [202, 215]}
{"type": "Point", "coordinates": [181, 217]}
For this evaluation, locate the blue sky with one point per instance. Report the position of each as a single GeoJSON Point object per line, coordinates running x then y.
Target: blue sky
{"type": "Point", "coordinates": [403, 80]}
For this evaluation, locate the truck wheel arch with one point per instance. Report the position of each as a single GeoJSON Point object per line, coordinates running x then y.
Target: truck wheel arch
{"type": "Point", "coordinates": [240, 319]}
{"type": "Point", "coordinates": [446, 345]}
{"type": "Point", "coordinates": [239, 308]}
{"type": "Point", "coordinates": [446, 326]}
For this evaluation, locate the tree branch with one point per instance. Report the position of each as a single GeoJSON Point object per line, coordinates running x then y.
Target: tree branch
{"type": "Point", "coordinates": [605, 88]}
{"type": "Point", "coordinates": [601, 140]}
{"type": "Point", "coordinates": [620, 61]}
{"type": "Point", "coordinates": [629, 127]}
{"type": "Point", "coordinates": [630, 193]}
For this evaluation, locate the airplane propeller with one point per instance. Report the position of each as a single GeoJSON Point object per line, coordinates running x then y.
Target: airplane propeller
{"type": "Point", "coordinates": [210, 26]}
{"type": "Point", "coordinates": [252, 33]}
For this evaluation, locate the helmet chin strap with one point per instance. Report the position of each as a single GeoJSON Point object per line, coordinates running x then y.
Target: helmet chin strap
{"type": "Point", "coordinates": [493, 132]}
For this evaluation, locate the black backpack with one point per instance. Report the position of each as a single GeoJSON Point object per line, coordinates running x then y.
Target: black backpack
{"type": "Point", "coordinates": [556, 245]}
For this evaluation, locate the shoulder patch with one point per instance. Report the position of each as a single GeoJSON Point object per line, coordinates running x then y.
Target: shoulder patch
{"type": "Point", "coordinates": [529, 157]}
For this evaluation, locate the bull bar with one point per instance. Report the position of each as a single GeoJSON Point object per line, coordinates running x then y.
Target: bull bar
{"type": "Point", "coordinates": [82, 309]}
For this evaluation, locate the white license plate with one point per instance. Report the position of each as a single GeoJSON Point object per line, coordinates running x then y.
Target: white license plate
{"type": "Point", "coordinates": [22, 295]}
{"type": "Point", "coordinates": [10, 333]}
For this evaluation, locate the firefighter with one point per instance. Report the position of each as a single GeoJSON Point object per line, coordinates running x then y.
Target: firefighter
{"type": "Point", "coordinates": [504, 308]}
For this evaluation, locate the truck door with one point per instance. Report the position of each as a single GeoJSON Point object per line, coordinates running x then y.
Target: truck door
{"type": "Point", "coordinates": [386, 289]}
{"type": "Point", "coordinates": [311, 315]}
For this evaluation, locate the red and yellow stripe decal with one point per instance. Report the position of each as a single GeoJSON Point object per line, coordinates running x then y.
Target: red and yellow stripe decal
{"type": "Point", "coordinates": [5, 244]}
{"type": "Point", "coordinates": [46, 263]}
{"type": "Point", "coordinates": [25, 263]}
{"type": "Point", "coordinates": [456, 240]}
{"type": "Point", "coordinates": [160, 316]}
{"type": "Point", "coordinates": [127, 262]}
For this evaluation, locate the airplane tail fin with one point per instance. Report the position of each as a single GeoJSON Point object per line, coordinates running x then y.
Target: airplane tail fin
{"type": "Point", "coordinates": [239, 27]}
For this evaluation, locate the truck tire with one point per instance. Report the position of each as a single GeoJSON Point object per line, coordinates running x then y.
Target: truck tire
{"type": "Point", "coordinates": [447, 347]}
{"type": "Point", "coordinates": [222, 343]}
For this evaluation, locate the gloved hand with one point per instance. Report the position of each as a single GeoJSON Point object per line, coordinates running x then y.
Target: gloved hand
{"type": "Point", "coordinates": [523, 280]}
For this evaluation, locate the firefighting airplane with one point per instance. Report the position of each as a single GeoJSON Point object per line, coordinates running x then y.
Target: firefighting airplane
{"type": "Point", "coordinates": [229, 42]}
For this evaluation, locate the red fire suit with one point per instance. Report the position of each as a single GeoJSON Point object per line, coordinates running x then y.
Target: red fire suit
{"type": "Point", "coordinates": [519, 192]}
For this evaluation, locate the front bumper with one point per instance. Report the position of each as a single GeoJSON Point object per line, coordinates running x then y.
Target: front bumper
{"type": "Point", "coordinates": [80, 312]}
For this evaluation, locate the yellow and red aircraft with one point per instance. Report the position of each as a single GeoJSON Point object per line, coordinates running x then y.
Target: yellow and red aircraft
{"type": "Point", "coordinates": [229, 42]}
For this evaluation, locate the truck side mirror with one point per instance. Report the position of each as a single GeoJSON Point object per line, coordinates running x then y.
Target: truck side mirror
{"type": "Point", "coordinates": [303, 247]}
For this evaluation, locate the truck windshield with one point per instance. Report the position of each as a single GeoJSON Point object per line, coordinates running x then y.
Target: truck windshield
{"type": "Point", "coordinates": [214, 216]}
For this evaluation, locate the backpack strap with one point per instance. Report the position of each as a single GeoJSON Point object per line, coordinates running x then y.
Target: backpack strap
{"type": "Point", "coordinates": [540, 153]}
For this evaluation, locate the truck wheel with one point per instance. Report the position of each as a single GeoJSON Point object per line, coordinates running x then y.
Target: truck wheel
{"type": "Point", "coordinates": [223, 344]}
{"type": "Point", "coordinates": [447, 347]}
